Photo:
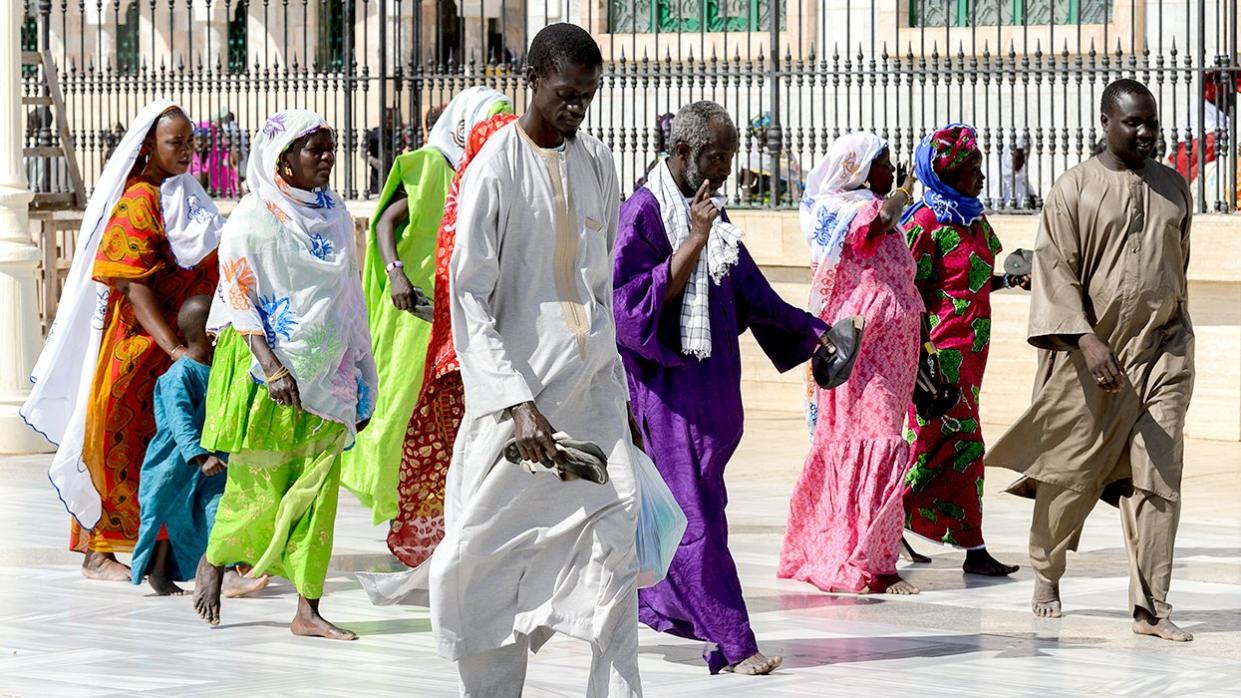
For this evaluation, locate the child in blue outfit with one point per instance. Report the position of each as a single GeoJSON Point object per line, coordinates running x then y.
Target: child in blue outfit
{"type": "Point", "coordinates": [181, 483]}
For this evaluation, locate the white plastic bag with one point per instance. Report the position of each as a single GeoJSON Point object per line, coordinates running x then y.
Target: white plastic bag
{"type": "Point", "coordinates": [661, 523]}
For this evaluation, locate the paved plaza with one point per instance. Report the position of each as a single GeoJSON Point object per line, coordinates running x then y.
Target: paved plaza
{"type": "Point", "coordinates": [63, 636]}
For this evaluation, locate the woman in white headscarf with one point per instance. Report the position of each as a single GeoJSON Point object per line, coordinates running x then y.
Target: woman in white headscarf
{"type": "Point", "coordinates": [293, 379]}
{"type": "Point", "coordinates": [397, 279]}
{"type": "Point", "coordinates": [146, 244]}
{"type": "Point", "coordinates": [846, 516]}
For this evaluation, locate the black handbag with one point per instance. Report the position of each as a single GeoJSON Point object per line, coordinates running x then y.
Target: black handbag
{"type": "Point", "coordinates": [832, 370]}
{"type": "Point", "coordinates": [933, 395]}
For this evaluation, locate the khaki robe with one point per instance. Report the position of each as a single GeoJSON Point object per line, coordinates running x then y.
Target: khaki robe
{"type": "Point", "coordinates": [1111, 258]}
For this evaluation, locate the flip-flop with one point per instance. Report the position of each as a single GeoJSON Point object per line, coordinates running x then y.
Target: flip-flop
{"type": "Point", "coordinates": [583, 460]}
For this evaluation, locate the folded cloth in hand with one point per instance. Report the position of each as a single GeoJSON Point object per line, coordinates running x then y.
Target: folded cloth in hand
{"type": "Point", "coordinates": [832, 369]}
{"type": "Point", "coordinates": [583, 460]}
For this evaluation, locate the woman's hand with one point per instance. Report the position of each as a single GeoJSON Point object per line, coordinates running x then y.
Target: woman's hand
{"type": "Point", "coordinates": [402, 290]}
{"type": "Point", "coordinates": [283, 392]}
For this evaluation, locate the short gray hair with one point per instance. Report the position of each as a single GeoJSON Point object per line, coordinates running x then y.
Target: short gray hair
{"type": "Point", "coordinates": [692, 124]}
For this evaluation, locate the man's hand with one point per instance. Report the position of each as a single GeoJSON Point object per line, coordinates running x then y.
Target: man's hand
{"type": "Point", "coordinates": [1101, 361]}
{"type": "Point", "coordinates": [402, 290]}
{"type": "Point", "coordinates": [533, 435]}
{"type": "Point", "coordinates": [702, 214]}
{"type": "Point", "coordinates": [634, 433]}
{"type": "Point", "coordinates": [210, 465]}
{"type": "Point", "coordinates": [1021, 281]}
{"type": "Point", "coordinates": [827, 344]}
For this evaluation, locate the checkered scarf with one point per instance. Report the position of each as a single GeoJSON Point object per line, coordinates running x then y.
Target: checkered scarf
{"type": "Point", "coordinates": [720, 256]}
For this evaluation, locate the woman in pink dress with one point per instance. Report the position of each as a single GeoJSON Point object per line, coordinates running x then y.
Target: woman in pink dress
{"type": "Point", "coordinates": [846, 515]}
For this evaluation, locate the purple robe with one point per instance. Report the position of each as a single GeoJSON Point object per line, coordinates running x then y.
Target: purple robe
{"type": "Point", "coordinates": [690, 416]}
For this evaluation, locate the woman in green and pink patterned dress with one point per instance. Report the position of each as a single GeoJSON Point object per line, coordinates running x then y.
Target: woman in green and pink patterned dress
{"type": "Point", "coordinates": [955, 249]}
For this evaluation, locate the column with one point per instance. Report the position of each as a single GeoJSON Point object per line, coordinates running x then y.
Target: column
{"type": "Point", "coordinates": [20, 335]}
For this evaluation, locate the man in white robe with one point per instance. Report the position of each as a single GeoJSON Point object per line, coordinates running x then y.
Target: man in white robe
{"type": "Point", "coordinates": [527, 555]}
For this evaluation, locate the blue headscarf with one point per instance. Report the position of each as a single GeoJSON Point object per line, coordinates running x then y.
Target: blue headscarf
{"type": "Point", "coordinates": [949, 205]}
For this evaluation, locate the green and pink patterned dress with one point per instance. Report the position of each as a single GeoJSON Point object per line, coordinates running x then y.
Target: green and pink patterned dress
{"type": "Point", "coordinates": [943, 490]}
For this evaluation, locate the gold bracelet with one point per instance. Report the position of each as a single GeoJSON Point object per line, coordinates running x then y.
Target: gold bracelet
{"type": "Point", "coordinates": [280, 373]}
{"type": "Point", "coordinates": [173, 353]}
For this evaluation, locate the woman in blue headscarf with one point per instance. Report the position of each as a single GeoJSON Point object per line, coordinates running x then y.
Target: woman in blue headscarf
{"type": "Point", "coordinates": [954, 249]}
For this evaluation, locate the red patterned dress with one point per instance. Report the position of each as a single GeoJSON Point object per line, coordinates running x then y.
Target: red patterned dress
{"type": "Point", "coordinates": [943, 490]}
{"type": "Point", "coordinates": [419, 523]}
{"type": "Point", "coordinates": [120, 417]}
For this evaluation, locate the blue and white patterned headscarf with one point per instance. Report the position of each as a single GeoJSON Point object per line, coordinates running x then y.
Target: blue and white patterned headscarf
{"type": "Point", "coordinates": [835, 194]}
{"type": "Point", "coordinates": [942, 149]}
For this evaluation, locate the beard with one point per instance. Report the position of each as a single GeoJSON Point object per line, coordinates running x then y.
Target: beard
{"type": "Point", "coordinates": [693, 175]}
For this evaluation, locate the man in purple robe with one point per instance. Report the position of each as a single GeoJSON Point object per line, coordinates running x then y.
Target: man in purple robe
{"type": "Point", "coordinates": [685, 288]}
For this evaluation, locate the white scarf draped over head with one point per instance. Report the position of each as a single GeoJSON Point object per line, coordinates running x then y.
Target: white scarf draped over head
{"type": "Point", "coordinates": [289, 272]}
{"type": "Point", "coordinates": [65, 370]}
{"type": "Point", "coordinates": [468, 109]}
{"type": "Point", "coordinates": [720, 255]}
{"type": "Point", "coordinates": [834, 196]}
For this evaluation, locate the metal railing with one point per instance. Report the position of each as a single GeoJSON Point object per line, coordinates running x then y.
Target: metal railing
{"type": "Point", "coordinates": [1027, 73]}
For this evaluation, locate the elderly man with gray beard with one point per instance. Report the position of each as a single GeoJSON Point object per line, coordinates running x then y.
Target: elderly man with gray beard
{"type": "Point", "coordinates": [684, 289]}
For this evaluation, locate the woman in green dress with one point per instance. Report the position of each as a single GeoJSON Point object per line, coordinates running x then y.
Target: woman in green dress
{"type": "Point", "coordinates": [293, 379]}
{"type": "Point", "coordinates": [397, 280]}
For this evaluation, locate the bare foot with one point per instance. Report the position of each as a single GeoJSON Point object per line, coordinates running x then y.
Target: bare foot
{"type": "Point", "coordinates": [979, 561]}
{"type": "Point", "coordinates": [1046, 601]}
{"type": "Point", "coordinates": [892, 584]}
{"type": "Point", "coordinates": [238, 585]}
{"type": "Point", "coordinates": [756, 665]}
{"type": "Point", "coordinates": [157, 571]}
{"type": "Point", "coordinates": [164, 586]}
{"type": "Point", "coordinates": [207, 591]}
{"type": "Point", "coordinates": [309, 623]}
{"type": "Point", "coordinates": [1146, 624]}
{"type": "Point", "coordinates": [103, 567]}
{"type": "Point", "coordinates": [913, 555]}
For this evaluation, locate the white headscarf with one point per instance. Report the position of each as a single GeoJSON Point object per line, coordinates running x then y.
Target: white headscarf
{"type": "Point", "coordinates": [834, 194]}
{"type": "Point", "coordinates": [289, 272]}
{"type": "Point", "coordinates": [63, 375]}
{"type": "Point", "coordinates": [469, 108]}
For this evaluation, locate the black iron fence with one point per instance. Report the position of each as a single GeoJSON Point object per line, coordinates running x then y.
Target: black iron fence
{"type": "Point", "coordinates": [1027, 73]}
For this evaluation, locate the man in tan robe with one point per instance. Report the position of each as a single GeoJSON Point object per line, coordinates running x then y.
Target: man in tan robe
{"type": "Point", "coordinates": [1116, 366]}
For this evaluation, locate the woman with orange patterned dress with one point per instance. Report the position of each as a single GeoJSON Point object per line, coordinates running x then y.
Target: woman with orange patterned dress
{"type": "Point", "coordinates": [147, 243]}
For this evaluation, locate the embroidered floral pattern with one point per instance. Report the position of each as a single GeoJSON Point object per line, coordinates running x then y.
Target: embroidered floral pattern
{"type": "Point", "coordinates": [239, 282]}
{"type": "Point", "coordinates": [274, 126]}
{"type": "Point", "coordinates": [326, 340]}
{"type": "Point", "coordinates": [320, 246]}
{"type": "Point", "coordinates": [275, 211]}
{"type": "Point", "coordinates": [277, 316]}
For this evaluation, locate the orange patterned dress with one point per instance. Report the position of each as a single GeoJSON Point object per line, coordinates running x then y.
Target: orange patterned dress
{"type": "Point", "coordinates": [120, 417]}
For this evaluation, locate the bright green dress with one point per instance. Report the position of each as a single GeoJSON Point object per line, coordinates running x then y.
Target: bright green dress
{"type": "Point", "coordinates": [278, 511]}
{"type": "Point", "coordinates": [371, 468]}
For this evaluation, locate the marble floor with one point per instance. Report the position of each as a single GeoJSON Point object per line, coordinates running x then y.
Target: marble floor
{"type": "Point", "coordinates": [63, 636]}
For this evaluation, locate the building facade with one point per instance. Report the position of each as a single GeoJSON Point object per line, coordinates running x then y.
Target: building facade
{"type": "Point", "coordinates": [1027, 73]}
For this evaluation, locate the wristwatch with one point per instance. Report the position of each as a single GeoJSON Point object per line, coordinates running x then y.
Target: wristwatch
{"type": "Point", "coordinates": [398, 264]}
